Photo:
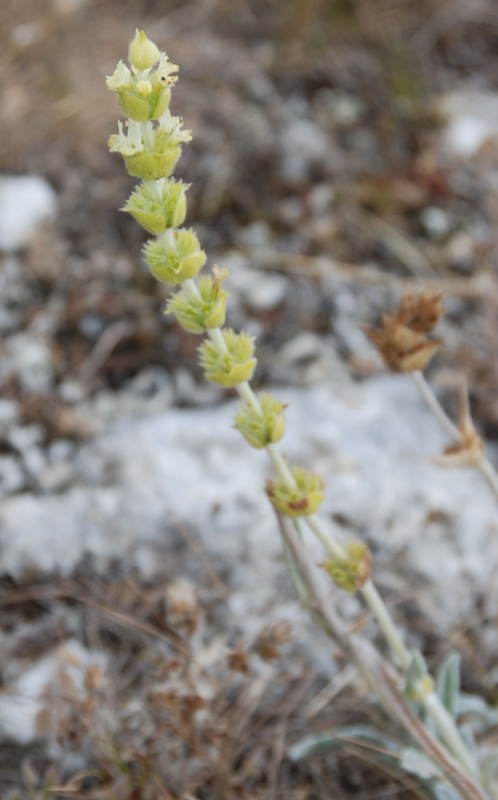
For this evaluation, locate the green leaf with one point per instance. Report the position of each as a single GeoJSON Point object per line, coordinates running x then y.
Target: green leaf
{"type": "Point", "coordinates": [482, 716]}
{"type": "Point", "coordinates": [490, 772]}
{"type": "Point", "coordinates": [416, 676]}
{"type": "Point", "coordinates": [448, 682]}
{"type": "Point", "coordinates": [361, 738]}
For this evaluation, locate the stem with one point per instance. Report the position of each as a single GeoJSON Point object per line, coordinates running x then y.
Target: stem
{"type": "Point", "coordinates": [217, 339]}
{"type": "Point", "coordinates": [380, 677]}
{"type": "Point", "coordinates": [386, 623]}
{"type": "Point", "coordinates": [449, 732]}
{"type": "Point", "coordinates": [485, 466]}
{"type": "Point", "coordinates": [249, 397]}
{"type": "Point", "coordinates": [436, 407]}
{"type": "Point", "coordinates": [329, 542]}
{"type": "Point", "coordinates": [444, 722]}
{"type": "Point", "coordinates": [280, 465]}
{"type": "Point", "coordinates": [489, 472]}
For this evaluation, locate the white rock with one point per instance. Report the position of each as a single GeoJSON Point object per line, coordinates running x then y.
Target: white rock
{"type": "Point", "coordinates": [26, 202]}
{"type": "Point", "coordinates": [373, 443]}
{"type": "Point", "coordinates": [302, 347]}
{"type": "Point", "coordinates": [435, 221]}
{"type": "Point", "coordinates": [12, 477]}
{"type": "Point", "coordinates": [460, 250]}
{"type": "Point", "coordinates": [266, 291]}
{"type": "Point", "coordinates": [303, 145]}
{"type": "Point", "coordinates": [30, 359]}
{"type": "Point", "coordinates": [24, 437]}
{"type": "Point", "coordinates": [471, 119]}
{"type": "Point", "coordinates": [9, 413]}
{"type": "Point", "coordinates": [38, 689]}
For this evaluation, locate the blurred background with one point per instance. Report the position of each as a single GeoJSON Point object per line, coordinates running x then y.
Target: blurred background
{"type": "Point", "coordinates": [344, 151]}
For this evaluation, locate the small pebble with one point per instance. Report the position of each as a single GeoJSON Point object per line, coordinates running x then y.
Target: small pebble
{"type": "Point", "coordinates": [26, 202]}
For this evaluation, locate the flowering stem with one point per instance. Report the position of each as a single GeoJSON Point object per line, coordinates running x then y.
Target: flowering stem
{"type": "Point", "coordinates": [443, 721]}
{"type": "Point", "coordinates": [150, 147]}
{"type": "Point", "coordinates": [485, 466]}
{"type": "Point", "coordinates": [329, 542]}
{"type": "Point", "coordinates": [280, 465]}
{"type": "Point", "coordinates": [386, 623]}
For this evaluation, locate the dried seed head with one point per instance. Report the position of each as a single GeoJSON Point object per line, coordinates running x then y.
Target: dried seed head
{"type": "Point", "coordinates": [262, 429]}
{"type": "Point", "coordinates": [402, 341]}
{"type": "Point", "coordinates": [352, 572]}
{"type": "Point", "coordinates": [234, 366]}
{"type": "Point", "coordinates": [158, 206]}
{"type": "Point", "coordinates": [199, 313]}
{"type": "Point", "coordinates": [181, 605]}
{"type": "Point", "coordinates": [420, 312]}
{"type": "Point", "coordinates": [238, 660]}
{"type": "Point", "coordinates": [301, 500]}
{"type": "Point", "coordinates": [174, 256]}
{"type": "Point", "coordinates": [270, 639]}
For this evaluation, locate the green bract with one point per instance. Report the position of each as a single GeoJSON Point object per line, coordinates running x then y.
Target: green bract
{"type": "Point", "coordinates": [153, 166]}
{"type": "Point", "coordinates": [141, 104]}
{"type": "Point", "coordinates": [262, 429]}
{"type": "Point", "coordinates": [300, 500]}
{"type": "Point", "coordinates": [236, 365]}
{"type": "Point", "coordinates": [174, 256]}
{"type": "Point", "coordinates": [157, 206]}
{"type": "Point", "coordinates": [199, 313]}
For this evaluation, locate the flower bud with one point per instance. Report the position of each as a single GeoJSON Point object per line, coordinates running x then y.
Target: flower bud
{"type": "Point", "coordinates": [143, 53]}
{"type": "Point", "coordinates": [262, 429]}
{"type": "Point", "coordinates": [175, 256]}
{"type": "Point", "coordinates": [199, 313]}
{"type": "Point", "coordinates": [143, 88]}
{"type": "Point", "coordinates": [158, 206]}
{"type": "Point", "coordinates": [234, 366]}
{"type": "Point", "coordinates": [303, 499]}
{"type": "Point", "coordinates": [352, 572]}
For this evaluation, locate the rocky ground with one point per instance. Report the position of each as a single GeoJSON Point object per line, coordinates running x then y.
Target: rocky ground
{"type": "Point", "coordinates": [338, 160]}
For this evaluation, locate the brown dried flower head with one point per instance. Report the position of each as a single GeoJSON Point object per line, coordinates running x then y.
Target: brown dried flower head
{"type": "Point", "coordinates": [238, 660]}
{"type": "Point", "coordinates": [270, 639]}
{"type": "Point", "coordinates": [402, 341]}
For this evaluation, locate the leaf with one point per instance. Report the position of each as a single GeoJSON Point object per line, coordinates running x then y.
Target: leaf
{"type": "Point", "coordinates": [415, 762]}
{"type": "Point", "coordinates": [443, 791]}
{"type": "Point", "coordinates": [472, 705]}
{"type": "Point", "coordinates": [448, 682]}
{"type": "Point", "coordinates": [365, 739]}
{"type": "Point", "coordinates": [361, 738]}
{"type": "Point", "coordinates": [416, 673]}
{"type": "Point", "coordinates": [467, 731]}
{"type": "Point", "coordinates": [490, 771]}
